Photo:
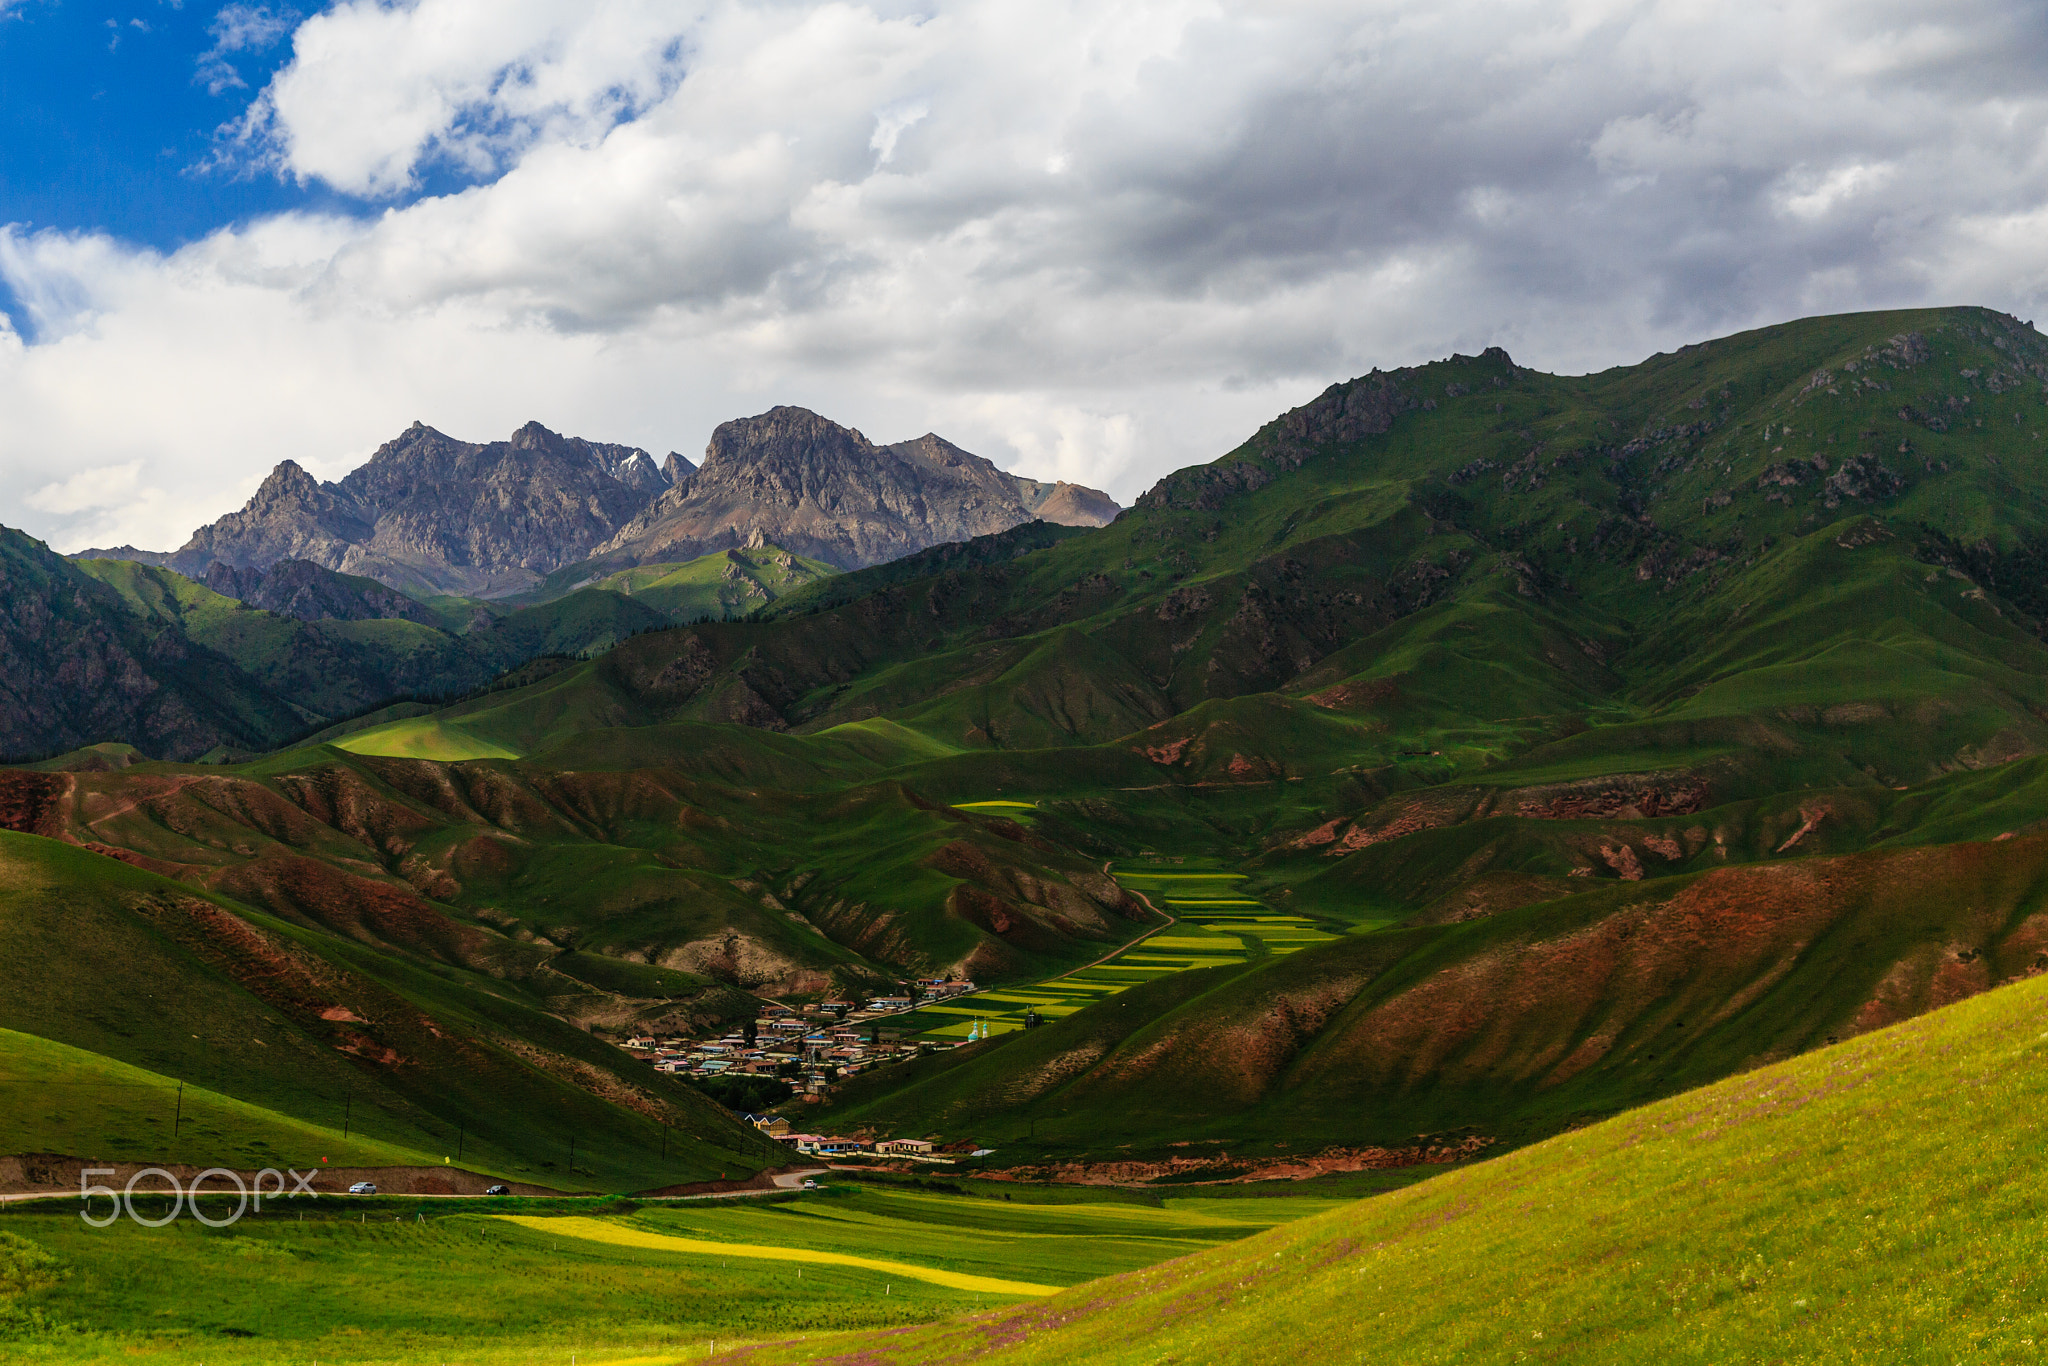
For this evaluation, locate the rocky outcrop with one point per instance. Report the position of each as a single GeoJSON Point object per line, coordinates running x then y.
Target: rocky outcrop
{"type": "Point", "coordinates": [803, 482]}
{"type": "Point", "coordinates": [292, 517]}
{"type": "Point", "coordinates": [1073, 505]}
{"type": "Point", "coordinates": [433, 514]}
{"type": "Point", "coordinates": [302, 589]}
{"type": "Point", "coordinates": [124, 552]}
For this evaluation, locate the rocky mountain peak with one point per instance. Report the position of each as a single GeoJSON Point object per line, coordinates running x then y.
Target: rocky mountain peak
{"type": "Point", "coordinates": [288, 483]}
{"type": "Point", "coordinates": [781, 444]}
{"type": "Point", "coordinates": [533, 436]}
{"type": "Point", "coordinates": [800, 480]}
{"type": "Point", "coordinates": [434, 514]}
{"type": "Point", "coordinates": [935, 451]}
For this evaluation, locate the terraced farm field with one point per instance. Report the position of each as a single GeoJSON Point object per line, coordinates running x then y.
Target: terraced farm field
{"type": "Point", "coordinates": [1215, 923]}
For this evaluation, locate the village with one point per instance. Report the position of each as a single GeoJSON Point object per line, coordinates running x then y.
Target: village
{"type": "Point", "coordinates": [812, 1046]}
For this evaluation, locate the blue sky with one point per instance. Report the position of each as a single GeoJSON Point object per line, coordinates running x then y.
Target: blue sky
{"type": "Point", "coordinates": [106, 121]}
{"type": "Point", "coordinates": [1090, 239]}
{"type": "Point", "coordinates": [121, 118]}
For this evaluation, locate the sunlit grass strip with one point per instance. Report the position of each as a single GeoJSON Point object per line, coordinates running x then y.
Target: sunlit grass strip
{"type": "Point", "coordinates": [624, 1235]}
{"type": "Point", "coordinates": [1220, 881]}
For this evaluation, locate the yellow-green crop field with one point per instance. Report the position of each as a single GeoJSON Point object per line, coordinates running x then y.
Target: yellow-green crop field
{"type": "Point", "coordinates": [1215, 924]}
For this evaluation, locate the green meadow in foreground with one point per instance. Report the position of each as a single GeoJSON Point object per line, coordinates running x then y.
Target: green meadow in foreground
{"type": "Point", "coordinates": [1877, 1201]}
{"type": "Point", "coordinates": [416, 1281]}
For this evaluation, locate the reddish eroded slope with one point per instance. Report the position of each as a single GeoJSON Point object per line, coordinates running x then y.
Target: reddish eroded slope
{"type": "Point", "coordinates": [500, 867]}
{"type": "Point", "coordinates": [1748, 964]}
{"type": "Point", "coordinates": [29, 801]}
{"type": "Point", "coordinates": [1728, 969]}
{"type": "Point", "coordinates": [1539, 1016]}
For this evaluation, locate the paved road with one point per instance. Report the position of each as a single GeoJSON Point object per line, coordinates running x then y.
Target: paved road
{"type": "Point", "coordinates": [786, 1181]}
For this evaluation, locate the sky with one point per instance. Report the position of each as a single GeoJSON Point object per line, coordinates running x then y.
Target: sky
{"type": "Point", "coordinates": [1094, 241]}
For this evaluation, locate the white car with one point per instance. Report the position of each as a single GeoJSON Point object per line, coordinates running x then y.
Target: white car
{"type": "Point", "coordinates": [810, 1185]}
{"type": "Point", "coordinates": [362, 1188]}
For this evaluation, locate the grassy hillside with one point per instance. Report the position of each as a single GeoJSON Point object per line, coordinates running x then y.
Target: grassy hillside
{"type": "Point", "coordinates": [1495, 1029]}
{"type": "Point", "coordinates": [304, 673]}
{"type": "Point", "coordinates": [1467, 560]}
{"type": "Point", "coordinates": [408, 1052]}
{"type": "Point", "coordinates": [79, 667]}
{"type": "Point", "coordinates": [1873, 1201]}
{"type": "Point", "coordinates": [60, 1099]}
{"type": "Point", "coordinates": [728, 583]}
{"type": "Point", "coordinates": [327, 667]}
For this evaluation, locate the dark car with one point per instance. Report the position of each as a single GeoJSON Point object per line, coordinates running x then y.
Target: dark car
{"type": "Point", "coordinates": [499, 1190]}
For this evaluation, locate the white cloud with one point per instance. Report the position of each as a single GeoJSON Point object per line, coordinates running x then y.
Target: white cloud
{"type": "Point", "coordinates": [892, 123]}
{"type": "Point", "coordinates": [1096, 240]}
{"type": "Point", "coordinates": [240, 28]}
{"type": "Point", "coordinates": [89, 489]}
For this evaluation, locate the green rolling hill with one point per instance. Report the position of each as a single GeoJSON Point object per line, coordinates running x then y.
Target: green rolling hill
{"type": "Point", "coordinates": [194, 672]}
{"type": "Point", "coordinates": [1873, 1201]}
{"type": "Point", "coordinates": [295, 1034]}
{"type": "Point", "coordinates": [730, 582]}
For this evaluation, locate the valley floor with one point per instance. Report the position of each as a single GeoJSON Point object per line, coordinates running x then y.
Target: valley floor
{"type": "Point", "coordinates": [400, 1280]}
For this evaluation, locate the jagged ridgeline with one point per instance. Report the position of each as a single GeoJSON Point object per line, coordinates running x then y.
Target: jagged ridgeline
{"type": "Point", "coordinates": [1612, 732]}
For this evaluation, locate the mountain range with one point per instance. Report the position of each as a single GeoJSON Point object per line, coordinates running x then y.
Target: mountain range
{"type": "Point", "coordinates": [433, 516]}
{"type": "Point", "coordinates": [1565, 742]}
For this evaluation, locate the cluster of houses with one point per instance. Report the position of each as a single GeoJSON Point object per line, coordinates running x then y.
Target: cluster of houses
{"type": "Point", "coordinates": [821, 1145]}
{"type": "Point", "coordinates": [809, 1045]}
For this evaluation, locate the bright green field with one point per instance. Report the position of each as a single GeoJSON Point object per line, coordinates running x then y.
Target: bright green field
{"type": "Point", "coordinates": [424, 737]}
{"type": "Point", "coordinates": [1216, 925]}
{"type": "Point", "coordinates": [419, 1281]}
{"type": "Point", "coordinates": [1874, 1202]}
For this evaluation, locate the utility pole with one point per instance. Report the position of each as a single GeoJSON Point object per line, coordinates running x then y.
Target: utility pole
{"type": "Point", "coordinates": [178, 1119]}
{"type": "Point", "coordinates": [348, 1110]}
{"type": "Point", "coordinates": [572, 1157]}
{"type": "Point", "coordinates": [461, 1132]}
